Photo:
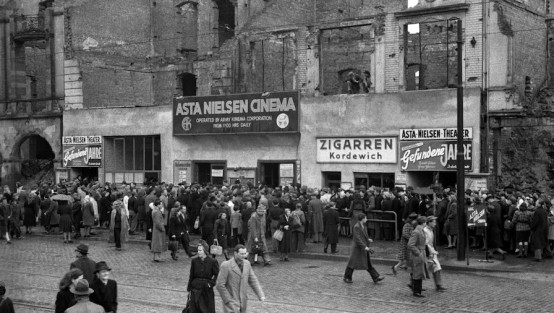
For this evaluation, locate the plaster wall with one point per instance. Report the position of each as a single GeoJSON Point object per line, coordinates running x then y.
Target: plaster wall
{"type": "Point", "coordinates": [379, 115]}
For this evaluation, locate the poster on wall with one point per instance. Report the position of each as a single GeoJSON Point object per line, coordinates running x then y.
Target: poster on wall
{"type": "Point", "coordinates": [181, 170]}
{"type": "Point", "coordinates": [357, 150]}
{"type": "Point", "coordinates": [476, 183]}
{"type": "Point", "coordinates": [273, 112]}
{"type": "Point", "coordinates": [82, 151]}
{"type": "Point", "coordinates": [436, 155]}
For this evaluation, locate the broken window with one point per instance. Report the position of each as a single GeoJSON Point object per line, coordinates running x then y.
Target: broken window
{"type": "Point", "coordinates": [270, 64]}
{"type": "Point", "coordinates": [345, 61]}
{"type": "Point", "coordinates": [187, 82]}
{"type": "Point", "coordinates": [226, 20]}
{"type": "Point", "coordinates": [431, 55]}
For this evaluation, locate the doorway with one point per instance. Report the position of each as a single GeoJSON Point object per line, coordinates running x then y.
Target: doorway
{"type": "Point", "coordinates": [276, 173]}
{"type": "Point", "coordinates": [382, 180]}
{"type": "Point", "coordinates": [210, 172]}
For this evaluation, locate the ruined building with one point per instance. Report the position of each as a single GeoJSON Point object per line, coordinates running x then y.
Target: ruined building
{"type": "Point", "coordinates": [318, 92]}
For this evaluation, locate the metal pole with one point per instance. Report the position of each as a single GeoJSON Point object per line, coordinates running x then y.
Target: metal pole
{"type": "Point", "coordinates": [461, 246]}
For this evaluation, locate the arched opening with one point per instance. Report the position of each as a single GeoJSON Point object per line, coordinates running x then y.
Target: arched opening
{"type": "Point", "coordinates": [36, 156]}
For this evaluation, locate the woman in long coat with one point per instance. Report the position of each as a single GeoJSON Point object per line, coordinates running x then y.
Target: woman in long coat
{"type": "Point", "coordinates": [202, 280]}
{"type": "Point", "coordinates": [16, 212]}
{"type": "Point", "coordinates": [331, 221]}
{"type": "Point", "coordinates": [221, 230]}
{"type": "Point", "coordinates": [54, 216]}
{"type": "Point", "coordinates": [158, 244]}
{"type": "Point", "coordinates": [403, 255]}
{"type": "Point", "coordinates": [66, 220]}
{"type": "Point", "coordinates": [30, 212]}
{"type": "Point", "coordinates": [494, 233]}
{"type": "Point", "coordinates": [539, 231]}
{"type": "Point", "coordinates": [256, 230]}
{"type": "Point", "coordinates": [88, 216]}
{"type": "Point", "coordinates": [285, 225]}
{"type": "Point", "coordinates": [451, 225]}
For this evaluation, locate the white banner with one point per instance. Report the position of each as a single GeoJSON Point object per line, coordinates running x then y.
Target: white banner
{"type": "Point", "coordinates": [357, 150]}
{"type": "Point", "coordinates": [434, 133]}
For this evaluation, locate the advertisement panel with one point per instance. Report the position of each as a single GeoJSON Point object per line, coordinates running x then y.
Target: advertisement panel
{"type": "Point", "coordinates": [435, 155]}
{"type": "Point", "coordinates": [477, 216]}
{"type": "Point", "coordinates": [275, 112]}
{"type": "Point", "coordinates": [357, 150]}
{"type": "Point", "coordinates": [434, 134]}
{"type": "Point", "coordinates": [82, 155]}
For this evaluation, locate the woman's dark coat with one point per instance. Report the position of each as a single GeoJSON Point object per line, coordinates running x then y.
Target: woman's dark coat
{"type": "Point", "coordinates": [331, 220]}
{"type": "Point", "coordinates": [202, 278]}
{"type": "Point", "coordinates": [64, 300]}
{"type": "Point", "coordinates": [285, 243]}
{"type": "Point", "coordinates": [494, 231]}
{"type": "Point", "coordinates": [539, 229]}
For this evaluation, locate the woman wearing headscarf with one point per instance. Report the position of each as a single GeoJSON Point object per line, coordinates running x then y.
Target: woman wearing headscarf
{"type": "Point", "coordinates": [119, 223]}
{"type": "Point", "coordinates": [285, 225]}
{"type": "Point", "coordinates": [88, 215]}
{"type": "Point", "coordinates": [65, 299]}
{"type": "Point", "coordinates": [222, 229]}
{"type": "Point", "coordinates": [203, 274]}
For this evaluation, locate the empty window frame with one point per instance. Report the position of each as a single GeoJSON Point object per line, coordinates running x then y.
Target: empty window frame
{"type": "Point", "coordinates": [345, 61]}
{"type": "Point", "coordinates": [431, 55]}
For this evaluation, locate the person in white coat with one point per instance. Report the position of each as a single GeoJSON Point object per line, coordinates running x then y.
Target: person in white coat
{"type": "Point", "coordinates": [232, 282]}
{"type": "Point", "coordinates": [433, 264]}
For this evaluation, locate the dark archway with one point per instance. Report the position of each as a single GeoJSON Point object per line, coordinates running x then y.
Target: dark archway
{"type": "Point", "coordinates": [36, 156]}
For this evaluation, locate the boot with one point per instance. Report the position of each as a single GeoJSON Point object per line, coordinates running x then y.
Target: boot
{"type": "Point", "coordinates": [525, 250]}
{"type": "Point", "coordinates": [520, 249]}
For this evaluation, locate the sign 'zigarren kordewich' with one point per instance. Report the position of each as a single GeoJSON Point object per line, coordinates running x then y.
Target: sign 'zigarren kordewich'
{"type": "Point", "coordinates": [239, 113]}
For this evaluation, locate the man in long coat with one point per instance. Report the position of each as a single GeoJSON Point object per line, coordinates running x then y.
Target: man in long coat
{"type": "Point", "coordinates": [416, 245]}
{"type": "Point", "coordinates": [315, 208]}
{"type": "Point", "coordinates": [86, 265]}
{"type": "Point", "coordinates": [359, 258]}
{"type": "Point", "coordinates": [232, 282]}
{"type": "Point", "coordinates": [158, 231]}
{"type": "Point", "coordinates": [331, 221]}
{"type": "Point", "coordinates": [539, 231]}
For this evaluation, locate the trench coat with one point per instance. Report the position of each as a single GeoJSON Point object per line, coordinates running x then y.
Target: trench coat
{"type": "Point", "coordinates": [286, 243]}
{"type": "Point", "coordinates": [360, 240]}
{"type": "Point", "coordinates": [494, 231]}
{"type": "Point", "coordinates": [88, 214]}
{"type": "Point", "coordinates": [331, 221]}
{"type": "Point", "coordinates": [232, 285]}
{"type": "Point", "coordinates": [124, 222]}
{"type": "Point", "coordinates": [539, 229]}
{"type": "Point", "coordinates": [416, 245]}
{"type": "Point", "coordinates": [451, 225]}
{"type": "Point", "coordinates": [315, 207]}
{"type": "Point", "coordinates": [256, 229]}
{"type": "Point", "coordinates": [158, 232]}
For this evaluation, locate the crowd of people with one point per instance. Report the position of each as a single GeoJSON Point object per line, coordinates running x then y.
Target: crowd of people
{"type": "Point", "coordinates": [253, 222]}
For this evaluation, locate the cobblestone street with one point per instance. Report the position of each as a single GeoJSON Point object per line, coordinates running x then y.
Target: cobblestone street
{"type": "Point", "coordinates": [33, 266]}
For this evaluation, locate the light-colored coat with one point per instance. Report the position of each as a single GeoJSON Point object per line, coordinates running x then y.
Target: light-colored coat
{"type": "Point", "coordinates": [158, 231]}
{"type": "Point", "coordinates": [232, 285]}
{"type": "Point", "coordinates": [84, 305]}
{"type": "Point", "coordinates": [433, 263]}
{"type": "Point", "coordinates": [416, 245]}
{"type": "Point", "coordinates": [256, 229]}
{"type": "Point", "coordinates": [124, 222]}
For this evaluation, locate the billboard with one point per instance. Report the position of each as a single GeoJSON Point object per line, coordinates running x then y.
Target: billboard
{"type": "Point", "coordinates": [357, 150]}
{"type": "Point", "coordinates": [82, 151]}
{"type": "Point", "coordinates": [275, 112]}
{"type": "Point", "coordinates": [435, 155]}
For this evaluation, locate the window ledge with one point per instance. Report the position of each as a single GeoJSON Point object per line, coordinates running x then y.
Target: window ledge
{"type": "Point", "coordinates": [432, 10]}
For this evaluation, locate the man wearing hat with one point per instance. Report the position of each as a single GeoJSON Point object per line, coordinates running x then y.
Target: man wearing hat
{"type": "Point", "coordinates": [82, 291]}
{"type": "Point", "coordinates": [6, 305]}
{"type": "Point", "coordinates": [433, 264]}
{"type": "Point", "coordinates": [416, 245]}
{"type": "Point", "coordinates": [83, 262]}
{"type": "Point", "coordinates": [105, 289]}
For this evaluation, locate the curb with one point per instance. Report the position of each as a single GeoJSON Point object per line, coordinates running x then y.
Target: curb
{"type": "Point", "coordinates": [325, 257]}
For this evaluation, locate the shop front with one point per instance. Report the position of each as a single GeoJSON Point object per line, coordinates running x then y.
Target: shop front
{"type": "Point", "coordinates": [82, 156]}
{"type": "Point", "coordinates": [252, 138]}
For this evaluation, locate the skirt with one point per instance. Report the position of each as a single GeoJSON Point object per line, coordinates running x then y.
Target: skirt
{"type": "Point", "coordinates": [66, 225]}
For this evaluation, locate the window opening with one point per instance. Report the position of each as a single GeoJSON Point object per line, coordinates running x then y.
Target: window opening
{"type": "Point", "coordinates": [226, 20]}
{"type": "Point", "coordinates": [187, 82]}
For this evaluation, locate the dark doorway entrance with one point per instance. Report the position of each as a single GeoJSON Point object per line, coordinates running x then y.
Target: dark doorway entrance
{"type": "Point", "coordinates": [270, 174]}
{"type": "Point", "coordinates": [210, 173]}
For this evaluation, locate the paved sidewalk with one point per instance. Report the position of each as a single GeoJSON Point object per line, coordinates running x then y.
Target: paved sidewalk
{"type": "Point", "coordinates": [385, 253]}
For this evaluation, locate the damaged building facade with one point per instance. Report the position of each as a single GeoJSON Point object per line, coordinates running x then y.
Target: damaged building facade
{"type": "Point", "coordinates": [341, 93]}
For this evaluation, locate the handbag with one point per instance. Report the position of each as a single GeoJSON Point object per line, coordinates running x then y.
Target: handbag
{"type": "Point", "coordinates": [278, 235]}
{"type": "Point", "coordinates": [216, 249]}
{"type": "Point", "coordinates": [173, 245]}
{"type": "Point", "coordinates": [197, 222]}
{"type": "Point", "coordinates": [508, 224]}
{"type": "Point", "coordinates": [258, 247]}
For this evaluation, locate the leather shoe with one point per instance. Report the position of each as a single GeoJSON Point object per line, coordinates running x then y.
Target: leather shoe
{"type": "Point", "coordinates": [441, 289]}
{"type": "Point", "coordinates": [419, 295]}
{"type": "Point", "coordinates": [378, 279]}
{"type": "Point", "coordinates": [348, 281]}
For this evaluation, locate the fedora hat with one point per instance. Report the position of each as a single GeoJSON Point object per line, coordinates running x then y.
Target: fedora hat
{"type": "Point", "coordinates": [413, 216]}
{"type": "Point", "coordinates": [83, 248]}
{"type": "Point", "coordinates": [100, 266]}
{"type": "Point", "coordinates": [81, 288]}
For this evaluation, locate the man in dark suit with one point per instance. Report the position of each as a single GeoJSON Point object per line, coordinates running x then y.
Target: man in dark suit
{"type": "Point", "coordinates": [83, 262]}
{"type": "Point", "coordinates": [105, 289]}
